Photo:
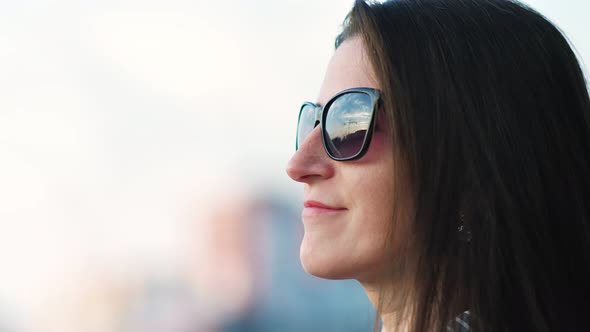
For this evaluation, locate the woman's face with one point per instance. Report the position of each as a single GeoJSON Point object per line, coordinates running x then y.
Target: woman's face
{"type": "Point", "coordinates": [345, 242]}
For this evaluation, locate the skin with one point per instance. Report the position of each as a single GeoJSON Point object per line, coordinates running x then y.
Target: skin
{"type": "Point", "coordinates": [348, 243]}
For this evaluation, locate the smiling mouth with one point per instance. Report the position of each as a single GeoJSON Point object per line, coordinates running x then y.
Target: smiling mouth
{"type": "Point", "coordinates": [313, 208]}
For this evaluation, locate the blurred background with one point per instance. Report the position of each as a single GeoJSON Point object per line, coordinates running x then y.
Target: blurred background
{"type": "Point", "coordinates": [142, 154]}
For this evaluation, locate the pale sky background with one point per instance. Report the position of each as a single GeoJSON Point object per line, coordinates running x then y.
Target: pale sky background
{"type": "Point", "coordinates": [115, 116]}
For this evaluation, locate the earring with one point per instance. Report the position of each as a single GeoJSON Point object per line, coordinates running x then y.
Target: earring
{"type": "Point", "coordinates": [464, 233]}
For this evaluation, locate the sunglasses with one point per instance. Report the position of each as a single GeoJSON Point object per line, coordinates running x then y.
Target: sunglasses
{"type": "Point", "coordinates": [347, 121]}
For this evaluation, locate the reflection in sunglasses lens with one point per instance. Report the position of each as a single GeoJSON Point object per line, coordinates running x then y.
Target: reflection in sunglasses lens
{"type": "Point", "coordinates": [347, 122]}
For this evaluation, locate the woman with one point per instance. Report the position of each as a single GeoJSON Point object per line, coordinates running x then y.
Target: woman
{"type": "Point", "coordinates": [453, 185]}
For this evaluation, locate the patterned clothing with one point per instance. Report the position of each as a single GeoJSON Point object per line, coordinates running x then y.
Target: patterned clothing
{"type": "Point", "coordinates": [460, 324]}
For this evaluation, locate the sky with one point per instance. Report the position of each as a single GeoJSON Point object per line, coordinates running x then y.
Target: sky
{"type": "Point", "coordinates": [116, 116]}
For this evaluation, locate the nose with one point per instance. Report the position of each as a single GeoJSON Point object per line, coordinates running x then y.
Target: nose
{"type": "Point", "coordinates": [310, 161]}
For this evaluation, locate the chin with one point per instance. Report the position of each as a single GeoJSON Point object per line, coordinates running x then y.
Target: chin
{"type": "Point", "coordinates": [321, 264]}
{"type": "Point", "coordinates": [330, 262]}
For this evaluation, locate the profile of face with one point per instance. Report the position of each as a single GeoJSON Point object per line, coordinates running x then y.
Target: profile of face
{"type": "Point", "coordinates": [347, 204]}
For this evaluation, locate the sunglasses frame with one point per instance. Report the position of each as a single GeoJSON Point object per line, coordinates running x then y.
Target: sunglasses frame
{"type": "Point", "coordinates": [320, 119]}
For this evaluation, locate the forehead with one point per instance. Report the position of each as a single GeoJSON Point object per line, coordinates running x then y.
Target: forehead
{"type": "Point", "coordinates": [348, 68]}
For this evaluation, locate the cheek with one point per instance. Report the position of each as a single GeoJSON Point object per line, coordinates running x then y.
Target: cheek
{"type": "Point", "coordinates": [372, 207]}
{"type": "Point", "coordinates": [371, 177]}
{"type": "Point", "coordinates": [372, 216]}
{"type": "Point", "coordinates": [354, 246]}
{"type": "Point", "coordinates": [380, 149]}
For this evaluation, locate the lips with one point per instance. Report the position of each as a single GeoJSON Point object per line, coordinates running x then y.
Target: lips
{"type": "Point", "coordinates": [315, 208]}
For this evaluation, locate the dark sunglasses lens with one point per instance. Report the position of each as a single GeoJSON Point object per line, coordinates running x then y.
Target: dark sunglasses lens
{"type": "Point", "coordinates": [347, 122]}
{"type": "Point", "coordinates": [306, 123]}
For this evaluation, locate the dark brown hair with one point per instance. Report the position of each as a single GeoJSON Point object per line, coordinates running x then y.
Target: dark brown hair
{"type": "Point", "coordinates": [490, 121]}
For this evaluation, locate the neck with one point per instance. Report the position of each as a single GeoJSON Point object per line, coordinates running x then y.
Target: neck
{"type": "Point", "coordinates": [389, 310]}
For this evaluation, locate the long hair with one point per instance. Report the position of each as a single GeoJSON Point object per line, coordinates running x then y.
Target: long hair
{"type": "Point", "coordinates": [490, 120]}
